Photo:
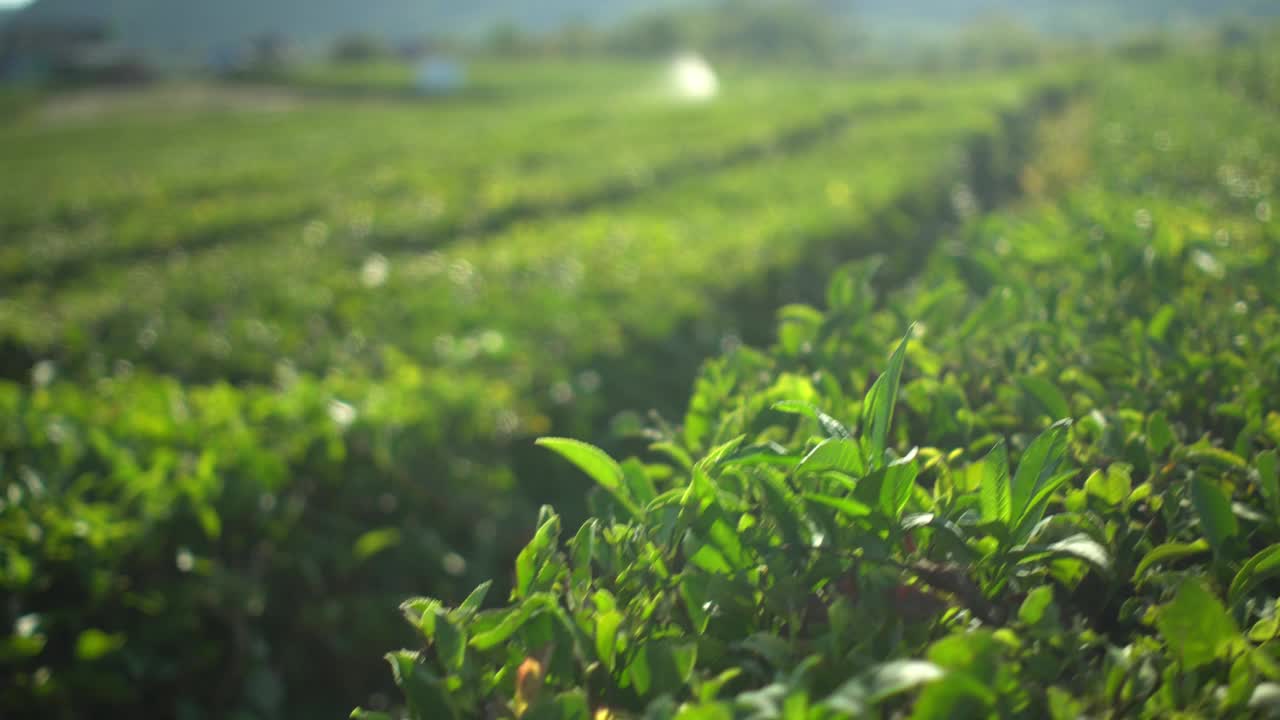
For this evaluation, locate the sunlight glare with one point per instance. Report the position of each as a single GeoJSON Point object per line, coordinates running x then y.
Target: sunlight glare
{"type": "Point", "coordinates": [692, 78]}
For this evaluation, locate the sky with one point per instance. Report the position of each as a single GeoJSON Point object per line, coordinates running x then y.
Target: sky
{"type": "Point", "coordinates": [5, 4]}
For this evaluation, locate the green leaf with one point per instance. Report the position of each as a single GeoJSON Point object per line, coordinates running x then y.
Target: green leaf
{"type": "Point", "coordinates": [375, 541]}
{"type": "Point", "coordinates": [877, 407]}
{"type": "Point", "coordinates": [475, 600]}
{"type": "Point", "coordinates": [1037, 467]}
{"type": "Point", "coordinates": [674, 496]}
{"type": "Point", "coordinates": [831, 426]}
{"type": "Point", "coordinates": [834, 454]}
{"type": "Point", "coordinates": [849, 289]}
{"type": "Point", "coordinates": [1264, 661]}
{"type": "Point", "coordinates": [1046, 395]}
{"type": "Point", "coordinates": [693, 590]}
{"type": "Point", "coordinates": [1216, 519]}
{"type": "Point", "coordinates": [639, 485]}
{"type": "Point", "coordinates": [512, 620]}
{"type": "Point", "coordinates": [1039, 503]}
{"type": "Point", "coordinates": [662, 666]}
{"type": "Point", "coordinates": [948, 535]}
{"type": "Point", "coordinates": [797, 326]}
{"type": "Point", "coordinates": [607, 624]}
{"type": "Point", "coordinates": [1240, 683]}
{"type": "Point", "coordinates": [1112, 487]}
{"type": "Point", "coordinates": [597, 464]}
{"type": "Point", "coordinates": [1079, 547]}
{"type": "Point", "coordinates": [1159, 324]}
{"type": "Point", "coordinates": [451, 643]}
{"type": "Point", "coordinates": [17, 647]}
{"type": "Point", "coordinates": [699, 489]}
{"type": "Point", "coordinates": [956, 697]}
{"type": "Point", "coordinates": [713, 457]}
{"type": "Point", "coordinates": [1196, 625]}
{"type": "Point", "coordinates": [421, 613]}
{"type": "Point", "coordinates": [210, 521]}
{"type": "Point", "coordinates": [785, 508]}
{"type": "Point", "coordinates": [362, 714]}
{"type": "Point", "coordinates": [1216, 457]}
{"type": "Point", "coordinates": [899, 481]}
{"type": "Point", "coordinates": [583, 545]}
{"type": "Point", "coordinates": [704, 555]}
{"type": "Point", "coordinates": [424, 692]}
{"type": "Point", "coordinates": [769, 453]}
{"type": "Point", "coordinates": [1062, 706]}
{"type": "Point", "coordinates": [677, 454]}
{"type": "Point", "coordinates": [1260, 567]}
{"type": "Point", "coordinates": [974, 653]}
{"type": "Point", "coordinates": [1269, 481]}
{"type": "Point", "coordinates": [726, 540]}
{"type": "Point", "coordinates": [1037, 605]}
{"type": "Point", "coordinates": [1159, 434]}
{"type": "Point", "coordinates": [1169, 552]}
{"type": "Point", "coordinates": [707, 690]}
{"type": "Point", "coordinates": [995, 492]}
{"type": "Point", "coordinates": [92, 644]}
{"type": "Point", "coordinates": [845, 506]}
{"type": "Point", "coordinates": [534, 555]}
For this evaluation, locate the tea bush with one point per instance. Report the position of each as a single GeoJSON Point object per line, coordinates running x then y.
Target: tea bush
{"type": "Point", "coordinates": [201, 543]}
{"type": "Point", "coordinates": [1056, 496]}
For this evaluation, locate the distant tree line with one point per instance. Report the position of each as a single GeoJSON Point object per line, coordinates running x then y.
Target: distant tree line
{"type": "Point", "coordinates": [767, 30]}
{"type": "Point", "coordinates": [822, 32]}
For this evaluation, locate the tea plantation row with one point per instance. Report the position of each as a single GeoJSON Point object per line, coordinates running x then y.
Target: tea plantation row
{"type": "Point", "coordinates": [224, 304]}
{"type": "Point", "coordinates": [1057, 496]}
{"type": "Point", "coordinates": [211, 548]}
{"type": "Point", "coordinates": [126, 186]}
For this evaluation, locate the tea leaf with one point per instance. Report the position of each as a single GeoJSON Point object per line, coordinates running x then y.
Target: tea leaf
{"type": "Point", "coordinates": [1196, 625]}
{"type": "Point", "coordinates": [995, 491]}
{"type": "Point", "coordinates": [1037, 467]}
{"type": "Point", "coordinates": [1047, 396]}
{"type": "Point", "coordinates": [834, 454]}
{"type": "Point", "coordinates": [424, 691]}
{"type": "Point", "coordinates": [877, 407]}
{"type": "Point", "coordinates": [1262, 566]}
{"type": "Point", "coordinates": [1168, 552]}
{"type": "Point", "coordinates": [832, 427]}
{"type": "Point", "coordinates": [1214, 508]}
{"type": "Point", "coordinates": [597, 464]}
{"type": "Point", "coordinates": [845, 506]}
{"type": "Point", "coordinates": [512, 621]}
{"type": "Point", "coordinates": [1269, 481]}
{"type": "Point", "coordinates": [1159, 434]}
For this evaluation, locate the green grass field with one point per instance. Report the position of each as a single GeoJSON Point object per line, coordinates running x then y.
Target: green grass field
{"type": "Point", "coordinates": [274, 360]}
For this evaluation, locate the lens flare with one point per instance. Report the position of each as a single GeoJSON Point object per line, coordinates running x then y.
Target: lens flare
{"type": "Point", "coordinates": [692, 78]}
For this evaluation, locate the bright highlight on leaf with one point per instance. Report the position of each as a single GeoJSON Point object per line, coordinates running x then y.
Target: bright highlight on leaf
{"type": "Point", "coordinates": [597, 464]}
{"type": "Point", "coordinates": [995, 492]}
